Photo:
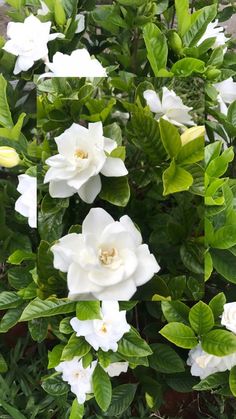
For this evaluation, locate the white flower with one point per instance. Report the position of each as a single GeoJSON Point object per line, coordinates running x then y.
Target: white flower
{"type": "Point", "coordinates": [26, 205]}
{"type": "Point", "coordinates": [116, 368]}
{"type": "Point", "coordinates": [229, 317]}
{"type": "Point", "coordinates": [82, 156]}
{"type": "Point", "coordinates": [44, 9]}
{"type": "Point", "coordinates": [28, 41]}
{"type": "Point", "coordinates": [107, 261]}
{"type": "Point", "coordinates": [227, 93]}
{"type": "Point", "coordinates": [214, 31]}
{"type": "Point", "coordinates": [170, 107]}
{"type": "Point", "coordinates": [78, 64]}
{"type": "Point", "coordinates": [78, 377]}
{"type": "Point", "coordinates": [103, 333]}
{"type": "Point", "coordinates": [80, 19]}
{"type": "Point", "coordinates": [203, 364]}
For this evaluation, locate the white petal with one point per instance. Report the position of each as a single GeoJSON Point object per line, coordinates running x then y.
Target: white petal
{"type": "Point", "coordinates": [110, 308]}
{"type": "Point", "coordinates": [95, 222]}
{"type": "Point", "coordinates": [82, 328]}
{"type": "Point", "coordinates": [109, 145]}
{"type": "Point", "coordinates": [25, 62]}
{"type": "Point", "coordinates": [89, 191]}
{"type": "Point", "coordinates": [106, 277]}
{"type": "Point", "coordinates": [60, 189]}
{"type": "Point", "coordinates": [116, 368]}
{"type": "Point", "coordinates": [130, 227]}
{"type": "Point", "coordinates": [114, 167]}
{"type": "Point", "coordinates": [153, 101]}
{"type": "Point", "coordinates": [147, 266]}
{"type": "Point", "coordinates": [65, 249]}
{"type": "Point", "coordinates": [78, 281]}
{"type": "Point", "coordinates": [121, 292]}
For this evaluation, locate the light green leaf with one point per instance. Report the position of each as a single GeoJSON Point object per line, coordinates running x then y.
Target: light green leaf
{"type": "Point", "coordinates": [170, 137]}
{"type": "Point", "coordinates": [88, 310]}
{"type": "Point", "coordinates": [217, 304]}
{"type": "Point", "coordinates": [201, 318]}
{"type": "Point", "coordinates": [157, 48]}
{"type": "Point", "coordinates": [232, 380]}
{"type": "Point", "coordinates": [76, 346]}
{"type": "Point", "coordinates": [179, 334]}
{"type": "Point", "coordinates": [176, 179]}
{"type": "Point", "coordinates": [191, 152]}
{"type": "Point", "coordinates": [132, 345]}
{"type": "Point", "coordinates": [224, 237]}
{"type": "Point", "coordinates": [200, 20]}
{"type": "Point", "coordinates": [164, 359]}
{"type": "Point", "coordinates": [219, 342]}
{"type": "Point", "coordinates": [77, 410]}
{"type": "Point", "coordinates": [5, 114]}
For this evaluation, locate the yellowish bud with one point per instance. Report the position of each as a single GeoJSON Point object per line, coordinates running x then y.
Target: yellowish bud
{"type": "Point", "coordinates": [8, 157]}
{"type": "Point", "coordinates": [192, 133]}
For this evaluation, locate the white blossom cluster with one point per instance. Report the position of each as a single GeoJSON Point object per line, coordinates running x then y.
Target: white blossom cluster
{"type": "Point", "coordinates": [103, 333]}
{"type": "Point", "coordinates": [204, 364]}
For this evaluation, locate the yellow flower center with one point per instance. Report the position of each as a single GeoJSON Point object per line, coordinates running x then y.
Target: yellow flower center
{"type": "Point", "coordinates": [103, 328]}
{"type": "Point", "coordinates": [80, 154]}
{"type": "Point", "coordinates": [107, 256]}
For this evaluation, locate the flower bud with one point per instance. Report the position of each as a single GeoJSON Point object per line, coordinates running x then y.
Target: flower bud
{"type": "Point", "coordinates": [192, 133]}
{"type": "Point", "coordinates": [174, 41]}
{"type": "Point", "coordinates": [8, 157]}
{"type": "Point", "coordinates": [212, 73]}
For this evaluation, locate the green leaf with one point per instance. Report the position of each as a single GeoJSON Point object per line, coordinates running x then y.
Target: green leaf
{"type": "Point", "coordinates": [157, 48]}
{"type": "Point", "coordinates": [132, 345]}
{"type": "Point", "coordinates": [212, 381]}
{"type": "Point", "coordinates": [164, 359]}
{"type": "Point", "coordinates": [77, 410]}
{"type": "Point", "coordinates": [175, 311]}
{"type": "Point", "coordinates": [200, 20]}
{"type": "Point", "coordinates": [15, 413]}
{"type": "Point", "coordinates": [19, 256]}
{"type": "Point", "coordinates": [217, 304]}
{"type": "Point", "coordinates": [59, 12]}
{"type": "Point", "coordinates": [232, 113]}
{"type": "Point", "coordinates": [114, 132]}
{"type": "Point", "coordinates": [232, 380]}
{"type": "Point", "coordinates": [119, 153]}
{"type": "Point", "coordinates": [201, 318]}
{"type": "Point", "coordinates": [219, 342]}
{"type": "Point", "coordinates": [46, 308]}
{"type": "Point", "coordinates": [5, 114]}
{"type": "Point", "coordinates": [9, 299]}
{"type": "Point", "coordinates": [218, 166]}
{"type": "Point", "coordinates": [102, 388]}
{"type": "Point", "coordinates": [10, 318]}
{"type": "Point", "coordinates": [191, 152]}
{"type": "Point", "coordinates": [55, 386]}
{"type": "Point", "coordinates": [3, 365]}
{"type": "Point", "coordinates": [76, 346]}
{"type": "Point", "coordinates": [225, 264]}
{"type": "Point", "coordinates": [170, 137]}
{"type": "Point", "coordinates": [187, 67]}
{"type": "Point", "coordinates": [54, 356]}
{"type": "Point", "coordinates": [88, 310]}
{"type": "Point", "coordinates": [115, 190]}
{"type": "Point", "coordinates": [183, 15]}
{"type": "Point", "coordinates": [122, 397]}
{"type": "Point", "coordinates": [224, 237]}
{"type": "Point", "coordinates": [38, 329]}
{"type": "Point", "coordinates": [179, 334]}
{"type": "Point", "coordinates": [176, 179]}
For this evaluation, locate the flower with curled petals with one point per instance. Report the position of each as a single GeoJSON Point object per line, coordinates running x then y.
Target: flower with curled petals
{"type": "Point", "coordinates": [28, 41]}
{"type": "Point", "coordinates": [228, 318]}
{"type": "Point", "coordinates": [83, 154]}
{"type": "Point", "coordinates": [105, 332]}
{"type": "Point", "coordinates": [107, 261]}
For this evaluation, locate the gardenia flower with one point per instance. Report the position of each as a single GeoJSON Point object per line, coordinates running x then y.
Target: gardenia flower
{"type": "Point", "coordinates": [78, 377]}
{"type": "Point", "coordinates": [28, 41]}
{"type": "Point", "coordinates": [214, 31]}
{"type": "Point", "coordinates": [107, 261]}
{"type": "Point", "coordinates": [105, 332]}
{"type": "Point", "coordinates": [8, 157]}
{"type": "Point", "coordinates": [203, 364]}
{"type": "Point", "coordinates": [78, 64]}
{"type": "Point", "coordinates": [227, 93]}
{"type": "Point", "coordinates": [82, 156]}
{"type": "Point", "coordinates": [228, 318]}
{"type": "Point", "coordinates": [170, 107]}
{"type": "Point", "coordinates": [26, 205]}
